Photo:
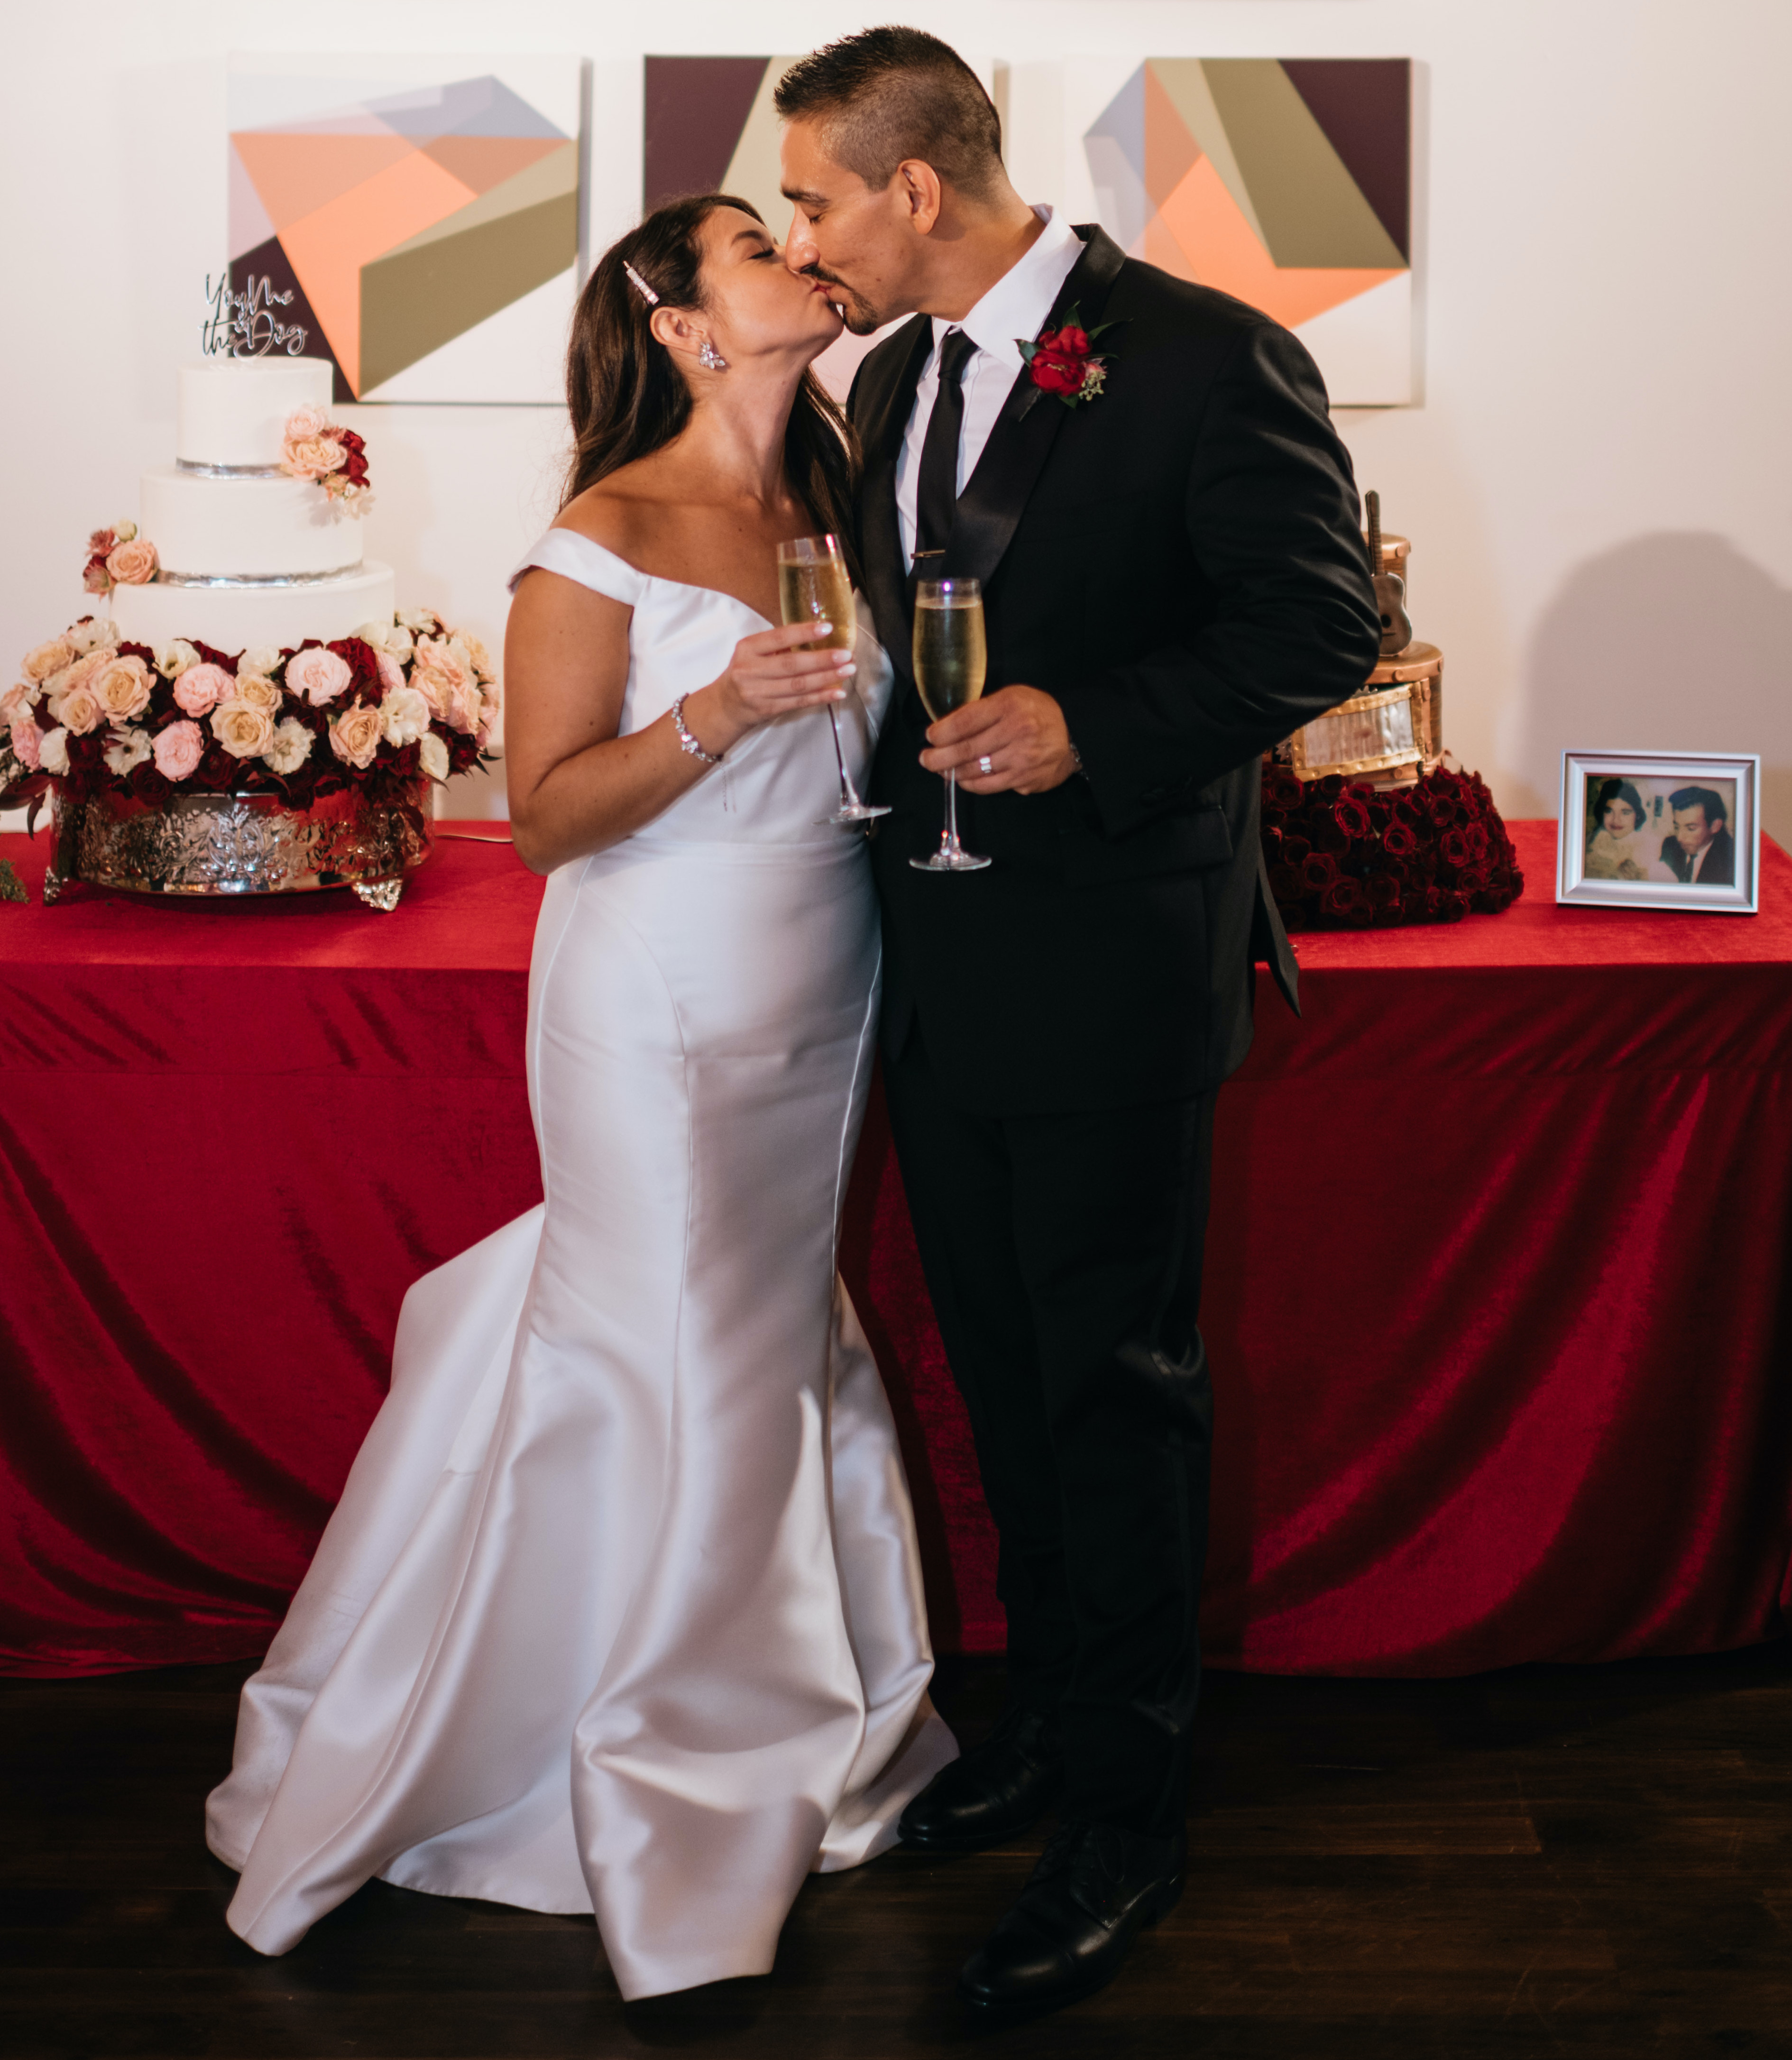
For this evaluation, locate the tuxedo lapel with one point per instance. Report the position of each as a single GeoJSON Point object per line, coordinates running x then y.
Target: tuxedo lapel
{"type": "Point", "coordinates": [996, 495]}
{"type": "Point", "coordinates": [881, 436]}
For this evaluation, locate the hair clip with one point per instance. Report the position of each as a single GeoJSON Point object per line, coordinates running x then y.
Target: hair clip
{"type": "Point", "coordinates": [641, 286]}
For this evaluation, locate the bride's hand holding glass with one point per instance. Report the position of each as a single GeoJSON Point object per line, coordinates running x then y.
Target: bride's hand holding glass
{"type": "Point", "coordinates": [773, 673]}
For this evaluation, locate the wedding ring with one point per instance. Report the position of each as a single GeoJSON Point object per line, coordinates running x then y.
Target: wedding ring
{"type": "Point", "coordinates": [986, 765]}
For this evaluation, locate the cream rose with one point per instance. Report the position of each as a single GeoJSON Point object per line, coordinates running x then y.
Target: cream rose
{"type": "Point", "coordinates": [81, 711]}
{"type": "Point", "coordinates": [311, 458]}
{"type": "Point", "coordinates": [431, 755]}
{"type": "Point", "coordinates": [16, 704]}
{"type": "Point", "coordinates": [125, 533]}
{"type": "Point", "coordinates": [93, 632]}
{"type": "Point", "coordinates": [201, 687]}
{"type": "Point", "coordinates": [420, 618]}
{"type": "Point", "coordinates": [179, 749]}
{"type": "Point", "coordinates": [133, 563]}
{"type": "Point", "coordinates": [122, 689]}
{"type": "Point", "coordinates": [243, 730]}
{"type": "Point", "coordinates": [27, 742]}
{"type": "Point", "coordinates": [38, 665]}
{"type": "Point", "coordinates": [373, 633]}
{"type": "Point", "coordinates": [399, 642]}
{"type": "Point", "coordinates": [480, 656]}
{"type": "Point", "coordinates": [259, 660]}
{"type": "Point", "coordinates": [356, 734]}
{"type": "Point", "coordinates": [404, 715]}
{"type": "Point", "coordinates": [309, 420]}
{"type": "Point", "coordinates": [259, 693]}
{"type": "Point", "coordinates": [290, 748]}
{"type": "Point", "coordinates": [129, 748]}
{"type": "Point", "coordinates": [53, 753]}
{"type": "Point", "coordinates": [317, 675]}
{"type": "Point", "coordinates": [173, 659]}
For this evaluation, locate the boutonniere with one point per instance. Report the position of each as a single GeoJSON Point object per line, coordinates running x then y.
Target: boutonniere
{"type": "Point", "coordinates": [1065, 362]}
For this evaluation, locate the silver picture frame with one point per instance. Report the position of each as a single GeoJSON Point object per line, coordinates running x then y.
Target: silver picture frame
{"type": "Point", "coordinates": [1622, 862]}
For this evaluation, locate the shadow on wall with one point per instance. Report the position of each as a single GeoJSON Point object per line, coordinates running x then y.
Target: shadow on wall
{"type": "Point", "coordinates": [1669, 643]}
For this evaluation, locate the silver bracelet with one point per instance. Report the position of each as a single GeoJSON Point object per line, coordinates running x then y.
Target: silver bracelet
{"type": "Point", "coordinates": [687, 743]}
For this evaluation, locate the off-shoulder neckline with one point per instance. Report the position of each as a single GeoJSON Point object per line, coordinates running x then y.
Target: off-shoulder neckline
{"type": "Point", "coordinates": [658, 579]}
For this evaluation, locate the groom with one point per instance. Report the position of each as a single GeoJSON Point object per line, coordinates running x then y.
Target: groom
{"type": "Point", "coordinates": [1173, 580]}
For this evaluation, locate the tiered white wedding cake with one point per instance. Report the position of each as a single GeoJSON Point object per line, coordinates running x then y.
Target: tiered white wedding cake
{"type": "Point", "coordinates": [249, 555]}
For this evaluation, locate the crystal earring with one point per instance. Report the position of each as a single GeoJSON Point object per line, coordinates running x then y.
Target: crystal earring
{"type": "Point", "coordinates": [710, 358]}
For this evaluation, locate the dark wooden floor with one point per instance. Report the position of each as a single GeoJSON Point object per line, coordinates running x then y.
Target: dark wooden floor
{"type": "Point", "coordinates": [1579, 1860]}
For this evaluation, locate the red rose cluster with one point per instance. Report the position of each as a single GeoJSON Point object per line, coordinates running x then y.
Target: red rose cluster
{"type": "Point", "coordinates": [1061, 363]}
{"type": "Point", "coordinates": [354, 467]}
{"type": "Point", "coordinates": [1342, 856]}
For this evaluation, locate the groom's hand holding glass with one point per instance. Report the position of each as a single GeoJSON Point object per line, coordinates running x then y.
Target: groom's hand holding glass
{"type": "Point", "coordinates": [1022, 732]}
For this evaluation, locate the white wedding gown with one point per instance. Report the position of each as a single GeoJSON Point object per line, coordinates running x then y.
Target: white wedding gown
{"type": "Point", "coordinates": [620, 1610]}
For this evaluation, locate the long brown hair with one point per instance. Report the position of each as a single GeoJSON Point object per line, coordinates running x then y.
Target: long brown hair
{"type": "Point", "coordinates": [627, 398]}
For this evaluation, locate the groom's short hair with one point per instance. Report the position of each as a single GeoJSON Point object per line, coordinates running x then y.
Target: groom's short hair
{"type": "Point", "coordinates": [887, 94]}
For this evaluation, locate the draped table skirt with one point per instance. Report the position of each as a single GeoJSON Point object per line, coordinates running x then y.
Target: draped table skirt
{"type": "Point", "coordinates": [1498, 1307]}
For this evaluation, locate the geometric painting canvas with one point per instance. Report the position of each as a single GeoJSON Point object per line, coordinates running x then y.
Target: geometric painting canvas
{"type": "Point", "coordinates": [709, 126]}
{"type": "Point", "coordinates": [1284, 182]}
{"type": "Point", "coordinates": [424, 214]}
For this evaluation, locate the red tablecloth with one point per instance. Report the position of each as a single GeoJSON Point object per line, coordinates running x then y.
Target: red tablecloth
{"type": "Point", "coordinates": [1498, 1298]}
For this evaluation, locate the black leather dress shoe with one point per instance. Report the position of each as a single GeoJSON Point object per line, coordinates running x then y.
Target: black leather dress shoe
{"type": "Point", "coordinates": [991, 1793]}
{"type": "Point", "coordinates": [1095, 1890]}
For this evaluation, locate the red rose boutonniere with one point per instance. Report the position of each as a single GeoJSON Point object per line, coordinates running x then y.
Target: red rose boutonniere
{"type": "Point", "coordinates": [1064, 360]}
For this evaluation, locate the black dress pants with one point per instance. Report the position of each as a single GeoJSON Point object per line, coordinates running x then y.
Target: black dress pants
{"type": "Point", "coordinates": [1062, 1252]}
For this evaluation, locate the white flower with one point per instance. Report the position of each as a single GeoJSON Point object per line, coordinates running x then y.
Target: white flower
{"type": "Point", "coordinates": [53, 753]}
{"type": "Point", "coordinates": [480, 656]}
{"type": "Point", "coordinates": [290, 748]}
{"type": "Point", "coordinates": [88, 635]}
{"type": "Point", "coordinates": [424, 619]}
{"type": "Point", "coordinates": [398, 643]}
{"type": "Point", "coordinates": [432, 755]}
{"type": "Point", "coordinates": [405, 714]}
{"type": "Point", "coordinates": [373, 633]}
{"type": "Point", "coordinates": [126, 532]}
{"type": "Point", "coordinates": [128, 748]}
{"type": "Point", "coordinates": [259, 661]}
{"type": "Point", "coordinates": [173, 659]}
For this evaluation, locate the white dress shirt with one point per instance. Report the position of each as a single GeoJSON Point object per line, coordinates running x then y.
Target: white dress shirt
{"type": "Point", "coordinates": [1016, 306]}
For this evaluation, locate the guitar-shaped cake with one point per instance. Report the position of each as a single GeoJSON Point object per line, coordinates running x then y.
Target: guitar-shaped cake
{"type": "Point", "coordinates": [1391, 589]}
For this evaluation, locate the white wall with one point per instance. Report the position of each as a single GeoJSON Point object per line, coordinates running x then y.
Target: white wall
{"type": "Point", "coordinates": [1595, 481]}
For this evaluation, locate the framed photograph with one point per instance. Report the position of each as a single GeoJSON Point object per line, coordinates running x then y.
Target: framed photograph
{"type": "Point", "coordinates": [1660, 830]}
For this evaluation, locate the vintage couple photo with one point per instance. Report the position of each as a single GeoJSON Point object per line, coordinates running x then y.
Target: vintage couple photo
{"type": "Point", "coordinates": [1646, 830]}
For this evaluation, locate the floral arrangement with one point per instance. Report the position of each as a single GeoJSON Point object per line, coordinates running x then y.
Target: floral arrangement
{"type": "Point", "coordinates": [1064, 360]}
{"type": "Point", "coordinates": [119, 556]}
{"type": "Point", "coordinates": [1343, 856]}
{"type": "Point", "coordinates": [376, 710]}
{"type": "Point", "coordinates": [314, 447]}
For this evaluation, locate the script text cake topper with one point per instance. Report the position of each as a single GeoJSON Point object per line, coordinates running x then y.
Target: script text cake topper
{"type": "Point", "coordinates": [244, 324]}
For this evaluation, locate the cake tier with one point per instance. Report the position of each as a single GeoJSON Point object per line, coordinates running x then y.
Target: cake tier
{"type": "Point", "coordinates": [249, 527]}
{"type": "Point", "coordinates": [239, 618]}
{"type": "Point", "coordinates": [233, 411]}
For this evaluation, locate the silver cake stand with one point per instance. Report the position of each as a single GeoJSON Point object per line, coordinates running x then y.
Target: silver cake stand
{"type": "Point", "coordinates": [241, 843]}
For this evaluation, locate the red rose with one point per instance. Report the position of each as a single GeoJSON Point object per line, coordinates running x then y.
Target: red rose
{"type": "Point", "coordinates": [1294, 848]}
{"type": "Point", "coordinates": [1453, 847]}
{"type": "Point", "coordinates": [1344, 902]}
{"type": "Point", "coordinates": [1383, 891]}
{"type": "Point", "coordinates": [1406, 812]}
{"type": "Point", "coordinates": [1331, 788]}
{"type": "Point", "coordinates": [1320, 873]}
{"type": "Point", "coordinates": [1397, 841]}
{"type": "Point", "coordinates": [1283, 788]}
{"type": "Point", "coordinates": [1453, 908]}
{"type": "Point", "coordinates": [1327, 835]}
{"type": "Point", "coordinates": [1351, 817]}
{"type": "Point", "coordinates": [1056, 374]}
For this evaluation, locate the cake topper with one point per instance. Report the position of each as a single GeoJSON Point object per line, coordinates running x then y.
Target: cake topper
{"type": "Point", "coordinates": [244, 324]}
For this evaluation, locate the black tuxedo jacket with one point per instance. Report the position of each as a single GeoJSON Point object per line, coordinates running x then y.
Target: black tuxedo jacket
{"type": "Point", "coordinates": [1719, 869]}
{"type": "Point", "coordinates": [1178, 563]}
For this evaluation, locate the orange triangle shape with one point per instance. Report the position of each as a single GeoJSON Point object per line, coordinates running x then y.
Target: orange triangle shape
{"type": "Point", "coordinates": [485, 162]}
{"type": "Point", "coordinates": [1218, 247]}
{"type": "Point", "coordinates": [295, 175]}
{"type": "Point", "coordinates": [327, 247]}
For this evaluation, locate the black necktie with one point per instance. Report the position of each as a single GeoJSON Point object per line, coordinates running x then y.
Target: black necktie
{"type": "Point", "coordinates": [936, 490]}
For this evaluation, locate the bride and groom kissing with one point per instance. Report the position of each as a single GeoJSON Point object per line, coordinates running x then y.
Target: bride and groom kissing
{"type": "Point", "coordinates": [620, 1611]}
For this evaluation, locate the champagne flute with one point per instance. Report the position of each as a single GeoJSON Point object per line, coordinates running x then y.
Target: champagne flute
{"type": "Point", "coordinates": [950, 657]}
{"type": "Point", "coordinates": [814, 586]}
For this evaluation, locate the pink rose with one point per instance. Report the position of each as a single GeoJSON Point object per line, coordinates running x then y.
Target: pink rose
{"type": "Point", "coordinates": [311, 458]}
{"type": "Point", "coordinates": [17, 702]}
{"type": "Point", "coordinates": [27, 743]}
{"type": "Point", "coordinates": [259, 692]}
{"type": "Point", "coordinates": [81, 711]}
{"type": "Point", "coordinates": [180, 747]}
{"type": "Point", "coordinates": [356, 733]}
{"type": "Point", "coordinates": [133, 563]}
{"type": "Point", "coordinates": [122, 689]}
{"type": "Point", "coordinates": [201, 687]}
{"type": "Point", "coordinates": [95, 578]}
{"type": "Point", "coordinates": [460, 707]}
{"type": "Point", "coordinates": [392, 674]}
{"type": "Point", "coordinates": [317, 675]}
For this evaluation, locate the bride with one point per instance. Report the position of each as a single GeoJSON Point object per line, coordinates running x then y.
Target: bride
{"type": "Point", "coordinates": [620, 1610]}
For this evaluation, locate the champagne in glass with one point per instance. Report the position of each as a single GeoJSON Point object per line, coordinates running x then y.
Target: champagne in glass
{"type": "Point", "coordinates": [814, 586]}
{"type": "Point", "coordinates": [950, 657]}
